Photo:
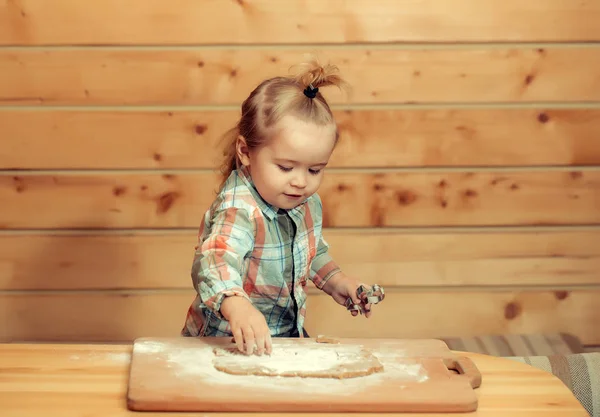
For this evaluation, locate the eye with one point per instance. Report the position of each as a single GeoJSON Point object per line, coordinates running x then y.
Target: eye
{"type": "Point", "coordinates": [314, 171]}
{"type": "Point", "coordinates": [284, 169]}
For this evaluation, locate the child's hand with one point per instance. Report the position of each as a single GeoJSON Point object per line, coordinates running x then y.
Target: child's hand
{"type": "Point", "coordinates": [248, 326]}
{"type": "Point", "coordinates": [341, 286]}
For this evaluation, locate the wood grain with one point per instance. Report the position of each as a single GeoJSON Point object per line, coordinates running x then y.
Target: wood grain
{"type": "Point", "coordinates": [468, 198]}
{"type": "Point", "coordinates": [125, 200]}
{"type": "Point", "coordinates": [225, 76]}
{"type": "Point", "coordinates": [32, 22]}
{"type": "Point", "coordinates": [66, 380]}
{"type": "Point", "coordinates": [160, 378]}
{"type": "Point", "coordinates": [113, 139]}
{"type": "Point", "coordinates": [108, 316]}
{"type": "Point", "coordinates": [154, 260]}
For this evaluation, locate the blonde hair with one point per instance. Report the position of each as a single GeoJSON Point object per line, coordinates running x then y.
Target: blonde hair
{"type": "Point", "coordinates": [275, 98]}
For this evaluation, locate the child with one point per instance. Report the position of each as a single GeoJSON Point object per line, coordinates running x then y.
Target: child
{"type": "Point", "coordinates": [262, 239]}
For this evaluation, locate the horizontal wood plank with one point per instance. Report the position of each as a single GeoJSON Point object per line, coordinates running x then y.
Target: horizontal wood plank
{"type": "Point", "coordinates": [112, 139]}
{"type": "Point", "coordinates": [125, 316]}
{"type": "Point", "coordinates": [33, 22]}
{"type": "Point", "coordinates": [483, 198]}
{"type": "Point", "coordinates": [226, 76]}
{"type": "Point", "coordinates": [391, 259]}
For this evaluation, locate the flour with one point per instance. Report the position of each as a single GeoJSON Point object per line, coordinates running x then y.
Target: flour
{"type": "Point", "coordinates": [397, 369]}
{"type": "Point", "coordinates": [195, 363]}
{"type": "Point", "coordinates": [294, 358]}
{"type": "Point", "coordinates": [150, 346]}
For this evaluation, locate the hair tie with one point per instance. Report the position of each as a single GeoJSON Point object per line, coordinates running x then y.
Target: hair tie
{"type": "Point", "coordinates": [311, 92]}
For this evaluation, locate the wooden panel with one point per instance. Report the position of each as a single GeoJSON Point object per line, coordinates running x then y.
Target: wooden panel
{"type": "Point", "coordinates": [99, 316]}
{"type": "Point", "coordinates": [389, 258]}
{"type": "Point", "coordinates": [124, 200]}
{"type": "Point", "coordinates": [226, 76]}
{"type": "Point", "coordinates": [369, 138]}
{"type": "Point", "coordinates": [465, 314]}
{"type": "Point", "coordinates": [295, 21]}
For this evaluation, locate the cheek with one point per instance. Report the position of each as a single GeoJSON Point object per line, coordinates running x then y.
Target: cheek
{"type": "Point", "coordinates": [273, 175]}
{"type": "Point", "coordinates": [262, 168]}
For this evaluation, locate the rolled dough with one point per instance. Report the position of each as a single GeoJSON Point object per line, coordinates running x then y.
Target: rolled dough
{"type": "Point", "coordinates": [300, 360]}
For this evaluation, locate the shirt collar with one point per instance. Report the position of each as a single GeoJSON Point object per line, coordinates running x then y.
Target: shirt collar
{"type": "Point", "coordinates": [268, 210]}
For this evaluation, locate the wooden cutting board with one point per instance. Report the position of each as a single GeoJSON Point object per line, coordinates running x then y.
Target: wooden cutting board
{"type": "Point", "coordinates": [417, 375]}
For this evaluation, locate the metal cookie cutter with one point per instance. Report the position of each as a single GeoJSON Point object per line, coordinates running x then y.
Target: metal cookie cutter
{"type": "Point", "coordinates": [374, 295]}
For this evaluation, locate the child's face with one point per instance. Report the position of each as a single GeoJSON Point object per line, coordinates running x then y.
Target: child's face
{"type": "Point", "coordinates": [289, 168]}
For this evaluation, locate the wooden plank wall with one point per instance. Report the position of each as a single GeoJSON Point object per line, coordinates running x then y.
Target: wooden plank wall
{"type": "Point", "coordinates": [467, 180]}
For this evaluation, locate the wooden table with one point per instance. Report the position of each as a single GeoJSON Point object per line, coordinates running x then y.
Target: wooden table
{"type": "Point", "coordinates": [88, 379]}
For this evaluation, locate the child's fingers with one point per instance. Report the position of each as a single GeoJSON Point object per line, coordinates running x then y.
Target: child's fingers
{"type": "Point", "coordinates": [264, 343]}
{"type": "Point", "coordinates": [263, 340]}
{"type": "Point", "coordinates": [260, 345]}
{"type": "Point", "coordinates": [355, 298]}
{"type": "Point", "coordinates": [368, 310]}
{"type": "Point", "coordinates": [249, 339]}
{"type": "Point", "coordinates": [238, 337]}
{"type": "Point", "coordinates": [362, 298]}
{"type": "Point", "coordinates": [268, 344]}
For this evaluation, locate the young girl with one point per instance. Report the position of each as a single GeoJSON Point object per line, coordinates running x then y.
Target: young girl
{"type": "Point", "coordinates": [261, 239]}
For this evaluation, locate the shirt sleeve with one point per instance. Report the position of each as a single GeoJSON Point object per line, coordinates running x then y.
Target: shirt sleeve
{"type": "Point", "coordinates": [323, 266]}
{"type": "Point", "coordinates": [219, 258]}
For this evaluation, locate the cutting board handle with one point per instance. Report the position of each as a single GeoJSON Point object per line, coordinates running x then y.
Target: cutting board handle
{"type": "Point", "coordinates": [465, 367]}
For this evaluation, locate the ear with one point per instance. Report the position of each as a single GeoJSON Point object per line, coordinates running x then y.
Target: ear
{"type": "Point", "coordinates": [242, 150]}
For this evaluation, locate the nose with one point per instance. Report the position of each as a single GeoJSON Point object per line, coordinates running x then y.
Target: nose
{"type": "Point", "coordinates": [299, 180]}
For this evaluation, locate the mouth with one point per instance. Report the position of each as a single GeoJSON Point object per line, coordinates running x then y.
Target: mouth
{"type": "Point", "coordinates": [292, 195]}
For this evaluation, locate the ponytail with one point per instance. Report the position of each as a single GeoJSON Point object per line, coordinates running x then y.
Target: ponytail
{"type": "Point", "coordinates": [314, 75]}
{"type": "Point", "coordinates": [230, 159]}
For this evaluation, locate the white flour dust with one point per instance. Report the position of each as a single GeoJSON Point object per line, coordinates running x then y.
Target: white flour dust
{"type": "Point", "coordinates": [399, 370]}
{"type": "Point", "coordinates": [194, 363]}
{"type": "Point", "coordinates": [294, 358]}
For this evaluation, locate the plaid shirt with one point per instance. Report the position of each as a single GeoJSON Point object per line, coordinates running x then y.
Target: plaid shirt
{"type": "Point", "coordinates": [249, 248]}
